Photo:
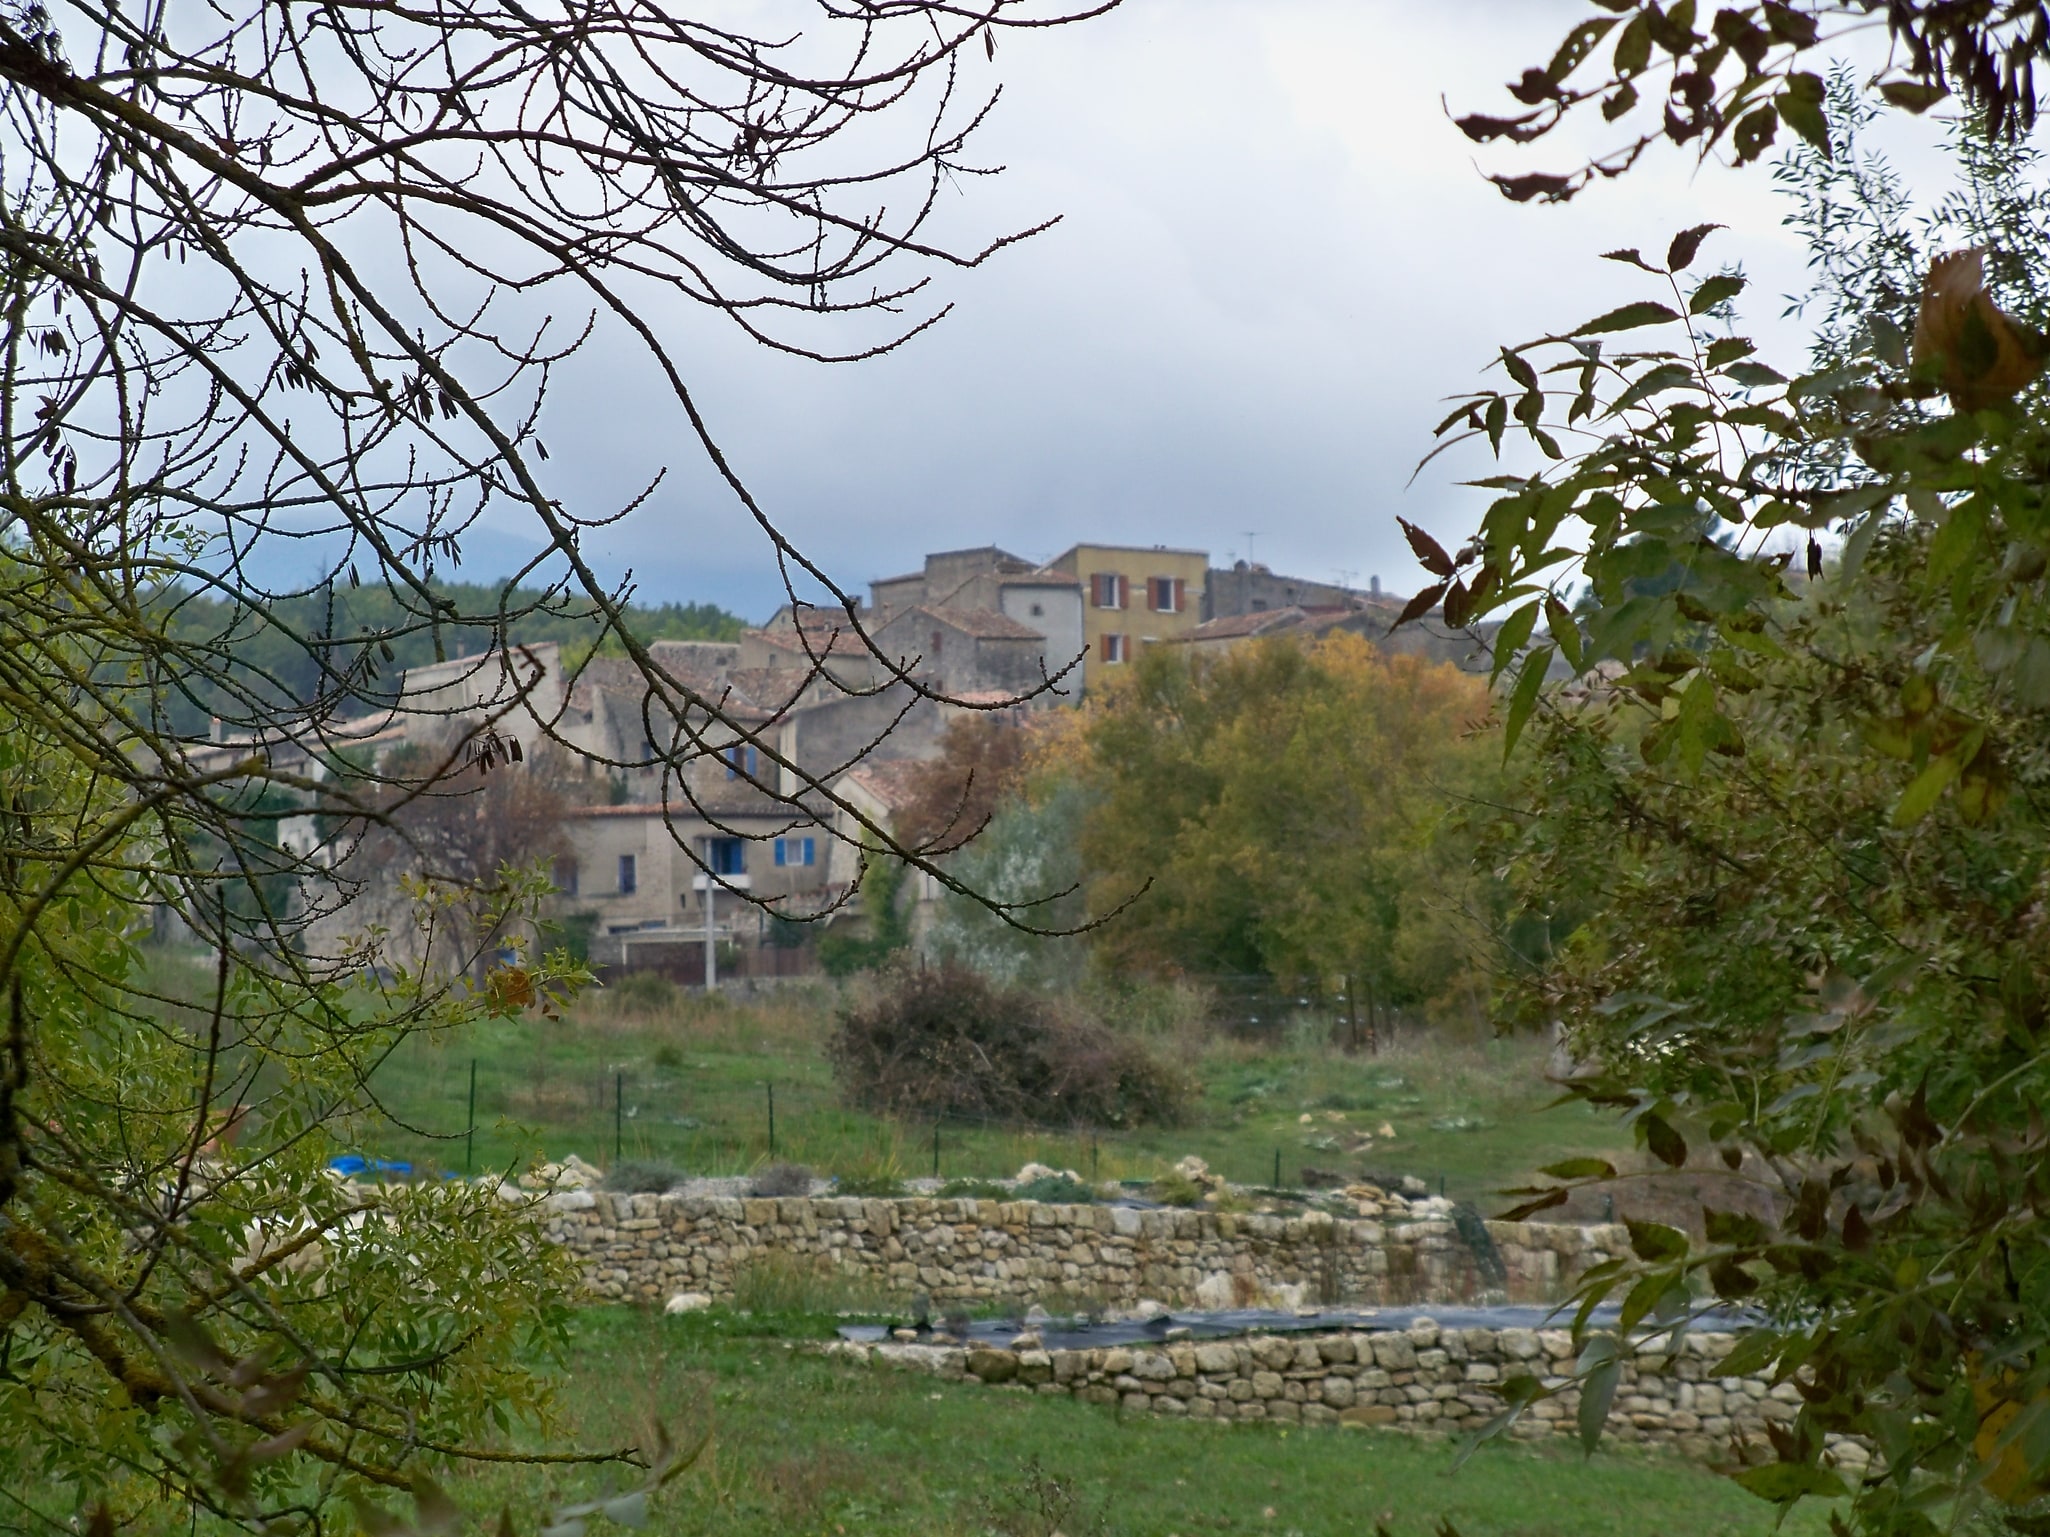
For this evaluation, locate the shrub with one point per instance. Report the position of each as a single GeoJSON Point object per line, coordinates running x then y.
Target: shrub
{"type": "Point", "coordinates": [946, 1041]}
{"type": "Point", "coordinates": [784, 1179]}
{"type": "Point", "coordinates": [1176, 1190]}
{"type": "Point", "coordinates": [643, 992]}
{"type": "Point", "coordinates": [643, 1178]}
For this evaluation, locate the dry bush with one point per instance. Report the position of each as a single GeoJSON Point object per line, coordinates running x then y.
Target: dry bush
{"type": "Point", "coordinates": [946, 1041]}
{"type": "Point", "coordinates": [784, 1179]}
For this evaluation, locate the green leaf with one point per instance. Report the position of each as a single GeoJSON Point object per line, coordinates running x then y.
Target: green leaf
{"type": "Point", "coordinates": [1654, 1241]}
{"type": "Point", "coordinates": [1714, 291]}
{"type": "Point", "coordinates": [1642, 1298]}
{"type": "Point", "coordinates": [1529, 1209]}
{"type": "Point", "coordinates": [1955, 542]}
{"type": "Point", "coordinates": [1629, 318]}
{"type": "Point", "coordinates": [1916, 96]}
{"type": "Point", "coordinates": [1754, 133]}
{"type": "Point", "coordinates": [1694, 728]}
{"type": "Point", "coordinates": [1580, 1168]}
{"type": "Point", "coordinates": [1578, 45]}
{"type": "Point", "coordinates": [1666, 1144]}
{"type": "Point", "coordinates": [1754, 376]}
{"type": "Point", "coordinates": [1725, 350]}
{"type": "Point", "coordinates": [1633, 48]}
{"type": "Point", "coordinates": [1566, 633]}
{"type": "Point", "coordinates": [1680, 254]}
{"type": "Point", "coordinates": [1785, 1482]}
{"type": "Point", "coordinates": [1752, 1354]}
{"type": "Point", "coordinates": [1731, 1227]}
{"type": "Point", "coordinates": [1803, 113]}
{"type": "Point", "coordinates": [1653, 381]}
{"type": "Point", "coordinates": [1597, 1393]}
{"type": "Point", "coordinates": [1510, 639]}
{"type": "Point", "coordinates": [1524, 700]}
{"type": "Point", "coordinates": [1520, 369]}
{"type": "Point", "coordinates": [1924, 790]}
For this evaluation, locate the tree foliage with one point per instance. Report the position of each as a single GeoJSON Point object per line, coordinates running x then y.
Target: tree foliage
{"type": "Point", "coordinates": [285, 289]}
{"type": "Point", "coordinates": [1665, 69]}
{"type": "Point", "coordinates": [1796, 797]}
{"type": "Point", "coordinates": [1282, 811]}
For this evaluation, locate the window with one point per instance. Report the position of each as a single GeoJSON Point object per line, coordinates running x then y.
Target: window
{"type": "Point", "coordinates": [795, 851]}
{"type": "Point", "coordinates": [727, 856]}
{"type": "Point", "coordinates": [1166, 594]}
{"type": "Point", "coordinates": [629, 875]}
{"type": "Point", "coordinates": [1107, 589]}
{"type": "Point", "coordinates": [566, 877]}
{"type": "Point", "coordinates": [741, 760]}
{"type": "Point", "coordinates": [1038, 609]}
{"type": "Point", "coordinates": [1116, 649]}
{"type": "Point", "coordinates": [934, 653]}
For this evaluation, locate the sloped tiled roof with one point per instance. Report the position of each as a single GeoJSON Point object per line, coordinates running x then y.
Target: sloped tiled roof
{"type": "Point", "coordinates": [1242, 626]}
{"type": "Point", "coordinates": [982, 623]}
{"type": "Point", "coordinates": [891, 782]}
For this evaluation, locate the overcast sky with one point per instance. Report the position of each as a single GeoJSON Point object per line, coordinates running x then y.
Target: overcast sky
{"type": "Point", "coordinates": [1276, 257]}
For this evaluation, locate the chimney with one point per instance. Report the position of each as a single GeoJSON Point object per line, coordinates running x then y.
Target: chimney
{"type": "Point", "coordinates": [1374, 585]}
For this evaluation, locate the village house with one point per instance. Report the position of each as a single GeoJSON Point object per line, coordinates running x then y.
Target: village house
{"type": "Point", "coordinates": [1133, 597]}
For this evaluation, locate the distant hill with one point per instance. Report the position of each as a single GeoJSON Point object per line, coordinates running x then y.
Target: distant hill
{"type": "Point", "coordinates": [368, 632]}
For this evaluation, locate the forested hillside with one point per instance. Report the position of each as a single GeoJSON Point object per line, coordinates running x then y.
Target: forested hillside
{"type": "Point", "coordinates": [373, 635]}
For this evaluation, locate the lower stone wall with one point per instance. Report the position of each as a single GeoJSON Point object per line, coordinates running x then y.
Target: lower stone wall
{"type": "Point", "coordinates": [646, 1248]}
{"type": "Point", "coordinates": [1425, 1379]}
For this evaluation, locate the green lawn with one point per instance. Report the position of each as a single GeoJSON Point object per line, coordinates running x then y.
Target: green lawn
{"type": "Point", "coordinates": [806, 1446]}
{"type": "Point", "coordinates": [688, 1082]}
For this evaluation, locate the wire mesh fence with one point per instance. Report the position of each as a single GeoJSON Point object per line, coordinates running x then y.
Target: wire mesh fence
{"type": "Point", "coordinates": [492, 1115]}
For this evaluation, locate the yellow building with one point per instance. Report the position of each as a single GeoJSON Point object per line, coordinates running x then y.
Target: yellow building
{"type": "Point", "coordinates": [1133, 597]}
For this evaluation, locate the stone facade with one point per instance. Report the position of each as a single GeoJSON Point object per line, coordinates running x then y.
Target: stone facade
{"type": "Point", "coordinates": [646, 1248]}
{"type": "Point", "coordinates": [1424, 1379]}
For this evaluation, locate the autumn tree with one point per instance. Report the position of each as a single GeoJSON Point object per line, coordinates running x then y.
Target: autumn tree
{"type": "Point", "coordinates": [1281, 812]}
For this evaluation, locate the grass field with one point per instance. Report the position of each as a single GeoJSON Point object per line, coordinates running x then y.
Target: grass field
{"type": "Point", "coordinates": [827, 1449]}
{"type": "Point", "coordinates": [688, 1081]}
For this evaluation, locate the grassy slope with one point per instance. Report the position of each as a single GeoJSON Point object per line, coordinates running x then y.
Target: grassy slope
{"type": "Point", "coordinates": [807, 1446]}
{"type": "Point", "coordinates": [695, 1076]}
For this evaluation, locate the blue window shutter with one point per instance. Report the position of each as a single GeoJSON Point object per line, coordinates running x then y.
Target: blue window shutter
{"type": "Point", "coordinates": [807, 850]}
{"type": "Point", "coordinates": [779, 853]}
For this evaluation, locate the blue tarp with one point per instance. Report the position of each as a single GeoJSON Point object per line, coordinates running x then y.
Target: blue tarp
{"type": "Point", "coordinates": [353, 1164]}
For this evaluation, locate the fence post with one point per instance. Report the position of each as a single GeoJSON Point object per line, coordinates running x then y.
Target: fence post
{"type": "Point", "coordinates": [618, 1116]}
{"type": "Point", "coordinates": [470, 1132]}
{"type": "Point", "coordinates": [936, 1148]}
{"type": "Point", "coordinates": [772, 1119]}
{"type": "Point", "coordinates": [1277, 1168]}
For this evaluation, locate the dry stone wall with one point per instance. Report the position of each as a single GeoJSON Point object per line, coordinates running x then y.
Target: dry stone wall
{"type": "Point", "coordinates": [1424, 1379]}
{"type": "Point", "coordinates": [646, 1248]}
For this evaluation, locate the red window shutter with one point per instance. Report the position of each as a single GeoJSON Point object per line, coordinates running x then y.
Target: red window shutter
{"type": "Point", "coordinates": [1181, 594]}
{"type": "Point", "coordinates": [1121, 590]}
{"type": "Point", "coordinates": [1098, 598]}
{"type": "Point", "coordinates": [1103, 647]}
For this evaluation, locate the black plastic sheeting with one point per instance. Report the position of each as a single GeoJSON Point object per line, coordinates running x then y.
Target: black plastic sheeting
{"type": "Point", "coordinates": [1085, 1334]}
